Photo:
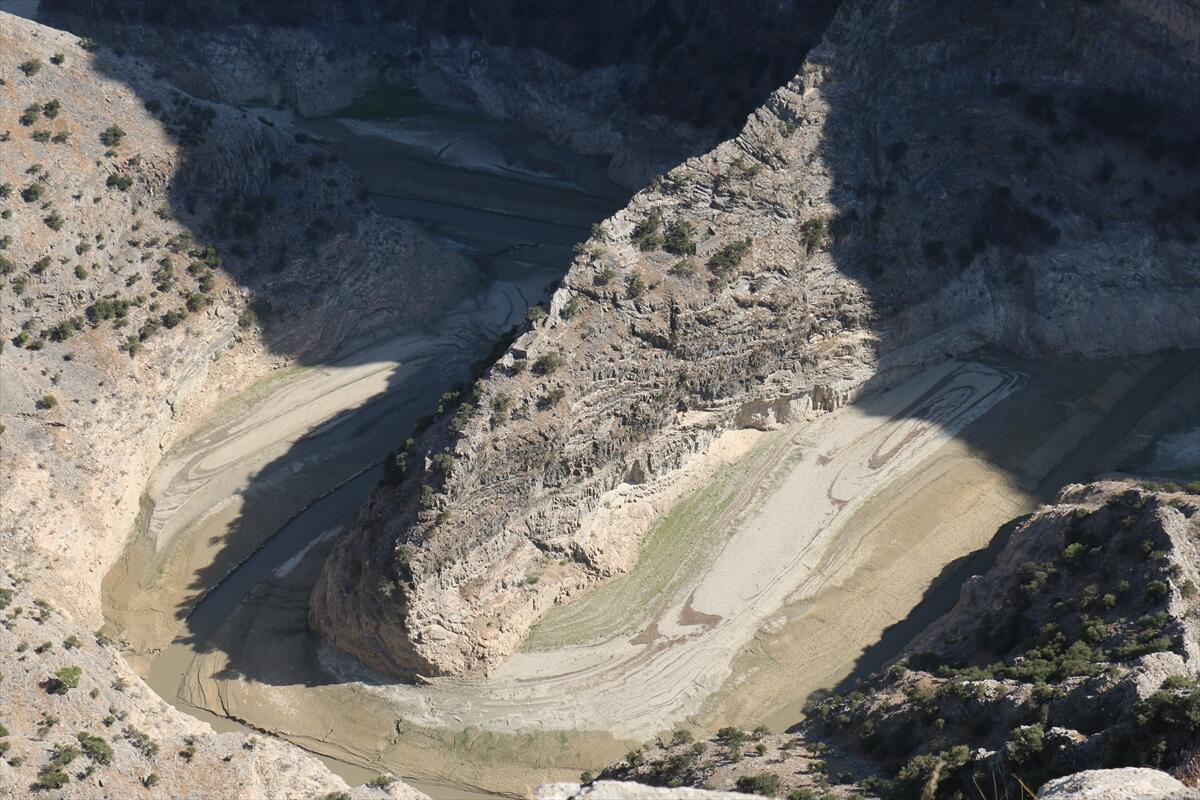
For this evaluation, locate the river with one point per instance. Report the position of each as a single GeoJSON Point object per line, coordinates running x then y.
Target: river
{"type": "Point", "coordinates": [301, 451]}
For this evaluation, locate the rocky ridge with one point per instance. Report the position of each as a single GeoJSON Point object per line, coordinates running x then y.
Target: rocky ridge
{"type": "Point", "coordinates": [159, 254]}
{"type": "Point", "coordinates": [615, 78]}
{"type": "Point", "coordinates": [910, 194]}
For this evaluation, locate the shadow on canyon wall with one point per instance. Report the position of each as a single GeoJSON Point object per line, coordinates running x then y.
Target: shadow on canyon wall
{"type": "Point", "coordinates": [992, 164]}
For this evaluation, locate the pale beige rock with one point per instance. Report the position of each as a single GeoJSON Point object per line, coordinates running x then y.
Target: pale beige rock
{"type": "Point", "coordinates": [1131, 783]}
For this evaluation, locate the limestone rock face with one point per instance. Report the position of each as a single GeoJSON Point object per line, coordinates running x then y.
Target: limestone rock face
{"type": "Point", "coordinates": [938, 176]}
{"type": "Point", "coordinates": [1130, 783]}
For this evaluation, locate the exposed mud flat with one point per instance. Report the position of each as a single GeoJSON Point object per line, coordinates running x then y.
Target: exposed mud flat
{"type": "Point", "coordinates": [792, 568]}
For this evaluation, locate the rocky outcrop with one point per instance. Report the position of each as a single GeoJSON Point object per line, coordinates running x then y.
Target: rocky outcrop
{"type": "Point", "coordinates": [620, 790]}
{"type": "Point", "coordinates": [1075, 651]}
{"type": "Point", "coordinates": [1130, 783]}
{"type": "Point", "coordinates": [158, 253]}
{"type": "Point", "coordinates": [647, 82]}
{"type": "Point", "coordinates": [938, 176]}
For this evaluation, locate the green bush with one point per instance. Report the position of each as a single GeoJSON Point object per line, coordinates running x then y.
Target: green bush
{"type": "Point", "coordinates": [548, 363]}
{"type": "Point", "coordinates": [80, 271]}
{"type": "Point", "coordinates": [119, 181]}
{"type": "Point", "coordinates": [813, 233]}
{"type": "Point", "coordinates": [50, 779]}
{"type": "Point", "coordinates": [58, 59]}
{"type": "Point", "coordinates": [605, 276]}
{"type": "Point", "coordinates": [51, 108]}
{"type": "Point", "coordinates": [112, 136]}
{"type": "Point", "coordinates": [40, 136]}
{"type": "Point", "coordinates": [31, 67]}
{"type": "Point", "coordinates": [635, 286]}
{"type": "Point", "coordinates": [33, 192]}
{"type": "Point", "coordinates": [88, 44]}
{"type": "Point", "coordinates": [54, 221]}
{"type": "Point", "coordinates": [1026, 744]}
{"type": "Point", "coordinates": [678, 240]}
{"type": "Point", "coordinates": [61, 137]}
{"type": "Point", "coordinates": [647, 234]}
{"type": "Point", "coordinates": [46, 402]}
{"type": "Point", "coordinates": [729, 257]}
{"type": "Point", "coordinates": [64, 680]}
{"type": "Point", "coordinates": [765, 783]}
{"type": "Point", "coordinates": [95, 748]}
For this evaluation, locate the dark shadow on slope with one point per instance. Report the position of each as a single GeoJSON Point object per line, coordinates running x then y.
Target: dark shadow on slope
{"type": "Point", "coordinates": [705, 64]}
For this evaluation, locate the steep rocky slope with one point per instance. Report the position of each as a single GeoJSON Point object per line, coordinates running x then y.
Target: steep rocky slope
{"type": "Point", "coordinates": [648, 82]}
{"type": "Point", "coordinates": [159, 253]}
{"type": "Point", "coordinates": [938, 176]}
{"type": "Point", "coordinates": [1076, 651]}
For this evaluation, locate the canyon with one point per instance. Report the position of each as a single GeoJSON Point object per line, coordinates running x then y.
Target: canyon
{"type": "Point", "coordinates": [486, 394]}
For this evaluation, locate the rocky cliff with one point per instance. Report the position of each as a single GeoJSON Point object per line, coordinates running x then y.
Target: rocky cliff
{"type": "Point", "coordinates": [648, 82]}
{"type": "Point", "coordinates": [158, 253]}
{"type": "Point", "coordinates": [937, 176]}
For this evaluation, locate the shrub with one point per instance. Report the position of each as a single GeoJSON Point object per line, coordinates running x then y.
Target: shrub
{"type": "Point", "coordinates": [173, 318]}
{"type": "Point", "coordinates": [554, 397]}
{"type": "Point", "coordinates": [731, 736]}
{"type": "Point", "coordinates": [50, 779]}
{"type": "Point", "coordinates": [140, 741]}
{"type": "Point", "coordinates": [247, 318]}
{"type": "Point", "coordinates": [151, 780]}
{"type": "Point", "coordinates": [40, 136]}
{"type": "Point", "coordinates": [5, 191]}
{"type": "Point", "coordinates": [112, 136]}
{"type": "Point", "coordinates": [7, 267]}
{"type": "Point", "coordinates": [729, 257]}
{"type": "Point", "coordinates": [605, 276]}
{"type": "Point", "coordinates": [1026, 743]}
{"type": "Point", "coordinates": [30, 114]}
{"type": "Point", "coordinates": [425, 497]}
{"type": "Point", "coordinates": [381, 781]}
{"type": "Point", "coordinates": [119, 181]}
{"type": "Point", "coordinates": [54, 221]}
{"type": "Point", "coordinates": [61, 137]}
{"type": "Point", "coordinates": [33, 192]}
{"type": "Point", "coordinates": [762, 783]}
{"type": "Point", "coordinates": [196, 302]}
{"type": "Point", "coordinates": [813, 233]}
{"type": "Point", "coordinates": [46, 402]}
{"type": "Point", "coordinates": [58, 59]}
{"type": "Point", "coordinates": [104, 309]}
{"type": "Point", "coordinates": [31, 67]}
{"type": "Point", "coordinates": [80, 271]}
{"type": "Point", "coordinates": [647, 234]}
{"type": "Point", "coordinates": [64, 680]}
{"type": "Point", "coordinates": [51, 108]}
{"type": "Point", "coordinates": [548, 363]}
{"type": "Point", "coordinates": [678, 240]}
{"type": "Point", "coordinates": [635, 286]}
{"type": "Point", "coordinates": [534, 313]}
{"type": "Point", "coordinates": [95, 748]}
{"type": "Point", "coordinates": [88, 44]}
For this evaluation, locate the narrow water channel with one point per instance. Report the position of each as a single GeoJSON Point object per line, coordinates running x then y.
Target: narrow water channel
{"type": "Point", "coordinates": [508, 199]}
